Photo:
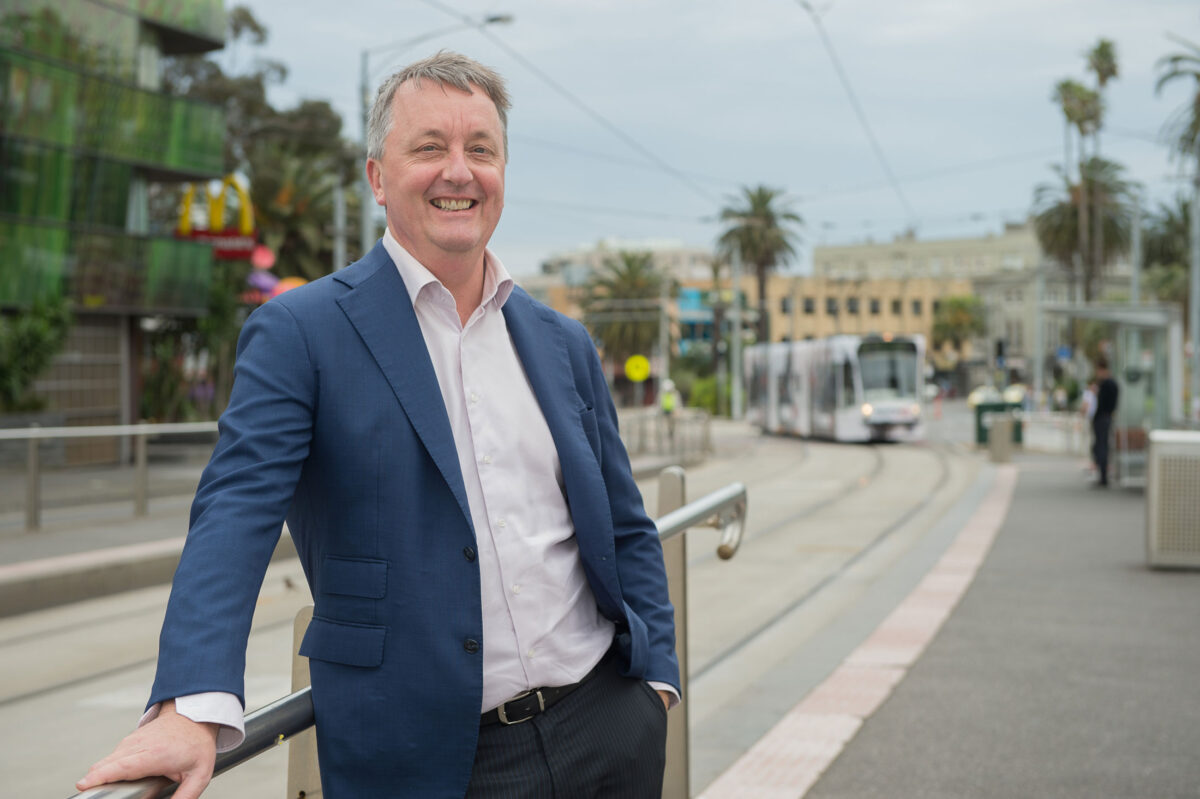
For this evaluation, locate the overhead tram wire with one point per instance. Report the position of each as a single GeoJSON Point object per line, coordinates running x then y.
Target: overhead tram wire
{"type": "Point", "coordinates": [862, 117]}
{"type": "Point", "coordinates": [630, 162]}
{"type": "Point", "coordinates": [575, 101]}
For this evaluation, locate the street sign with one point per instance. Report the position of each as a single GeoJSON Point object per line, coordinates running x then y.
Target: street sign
{"type": "Point", "coordinates": [637, 368]}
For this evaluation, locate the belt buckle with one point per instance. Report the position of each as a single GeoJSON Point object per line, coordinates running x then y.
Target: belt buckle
{"type": "Point", "coordinates": [504, 719]}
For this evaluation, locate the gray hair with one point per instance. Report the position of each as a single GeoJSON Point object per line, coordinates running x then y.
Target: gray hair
{"type": "Point", "coordinates": [446, 69]}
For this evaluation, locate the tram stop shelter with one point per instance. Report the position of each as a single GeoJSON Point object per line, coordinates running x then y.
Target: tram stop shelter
{"type": "Point", "coordinates": [1147, 362]}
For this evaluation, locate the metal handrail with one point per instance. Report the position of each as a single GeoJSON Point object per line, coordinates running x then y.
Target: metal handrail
{"type": "Point", "coordinates": [284, 718]}
{"type": "Point", "coordinates": [34, 435]}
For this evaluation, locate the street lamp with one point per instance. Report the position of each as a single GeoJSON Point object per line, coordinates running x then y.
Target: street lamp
{"type": "Point", "coordinates": [367, 231]}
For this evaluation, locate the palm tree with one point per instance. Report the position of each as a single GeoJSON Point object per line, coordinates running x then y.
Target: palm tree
{"type": "Point", "coordinates": [1057, 218]}
{"type": "Point", "coordinates": [293, 202]}
{"type": "Point", "coordinates": [1081, 109]}
{"type": "Point", "coordinates": [1102, 61]}
{"type": "Point", "coordinates": [1166, 249]}
{"type": "Point", "coordinates": [1184, 126]}
{"type": "Point", "coordinates": [762, 231]}
{"type": "Point", "coordinates": [621, 307]}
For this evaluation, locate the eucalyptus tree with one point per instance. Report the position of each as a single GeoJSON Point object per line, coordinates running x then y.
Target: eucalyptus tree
{"type": "Point", "coordinates": [762, 227]}
{"type": "Point", "coordinates": [1057, 216]}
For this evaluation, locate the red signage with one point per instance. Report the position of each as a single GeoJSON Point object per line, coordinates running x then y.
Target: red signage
{"type": "Point", "coordinates": [228, 244]}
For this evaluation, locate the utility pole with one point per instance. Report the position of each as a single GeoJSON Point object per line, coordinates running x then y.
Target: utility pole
{"type": "Point", "coordinates": [1194, 293]}
{"type": "Point", "coordinates": [664, 329]}
{"type": "Point", "coordinates": [735, 322]}
{"type": "Point", "coordinates": [366, 223]}
{"type": "Point", "coordinates": [339, 227]}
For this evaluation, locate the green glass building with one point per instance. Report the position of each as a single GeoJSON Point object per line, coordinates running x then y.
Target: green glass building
{"type": "Point", "coordinates": [85, 129]}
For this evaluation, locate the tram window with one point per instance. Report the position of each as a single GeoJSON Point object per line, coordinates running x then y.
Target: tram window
{"type": "Point", "coordinates": [848, 398]}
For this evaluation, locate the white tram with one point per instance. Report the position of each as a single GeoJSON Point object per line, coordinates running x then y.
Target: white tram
{"type": "Point", "coordinates": [845, 388]}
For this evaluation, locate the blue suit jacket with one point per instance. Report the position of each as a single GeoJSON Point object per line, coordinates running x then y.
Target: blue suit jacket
{"type": "Point", "coordinates": [336, 422]}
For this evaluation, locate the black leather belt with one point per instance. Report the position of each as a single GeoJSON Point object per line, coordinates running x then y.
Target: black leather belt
{"type": "Point", "coordinates": [523, 707]}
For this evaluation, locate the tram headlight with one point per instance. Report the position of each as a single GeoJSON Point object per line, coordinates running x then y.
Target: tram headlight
{"type": "Point", "coordinates": [867, 410]}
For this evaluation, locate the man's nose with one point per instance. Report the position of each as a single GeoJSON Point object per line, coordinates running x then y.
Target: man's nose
{"type": "Point", "coordinates": [457, 169]}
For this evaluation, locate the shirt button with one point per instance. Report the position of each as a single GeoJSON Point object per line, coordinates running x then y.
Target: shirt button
{"type": "Point", "coordinates": [487, 459]}
{"type": "Point", "coordinates": [474, 398]}
{"type": "Point", "coordinates": [531, 652]}
{"type": "Point", "coordinates": [501, 523]}
{"type": "Point", "coordinates": [469, 553]}
{"type": "Point", "coordinates": [517, 588]}
{"type": "Point", "coordinates": [471, 645]}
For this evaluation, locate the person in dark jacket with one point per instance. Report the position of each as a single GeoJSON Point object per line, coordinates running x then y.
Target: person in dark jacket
{"type": "Point", "coordinates": [1106, 405]}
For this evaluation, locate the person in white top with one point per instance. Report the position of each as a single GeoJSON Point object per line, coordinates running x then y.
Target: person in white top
{"type": "Point", "coordinates": [491, 613]}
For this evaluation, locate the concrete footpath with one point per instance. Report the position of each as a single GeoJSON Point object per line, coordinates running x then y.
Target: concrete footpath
{"type": "Point", "coordinates": [1062, 666]}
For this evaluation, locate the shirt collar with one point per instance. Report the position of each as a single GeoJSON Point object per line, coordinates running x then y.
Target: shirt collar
{"type": "Point", "coordinates": [497, 282]}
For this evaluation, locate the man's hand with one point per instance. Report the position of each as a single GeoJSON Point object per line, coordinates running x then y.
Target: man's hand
{"type": "Point", "coordinates": [171, 745]}
{"type": "Point", "coordinates": [666, 698]}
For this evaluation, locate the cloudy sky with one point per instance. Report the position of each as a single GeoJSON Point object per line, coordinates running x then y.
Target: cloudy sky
{"type": "Point", "coordinates": [639, 119]}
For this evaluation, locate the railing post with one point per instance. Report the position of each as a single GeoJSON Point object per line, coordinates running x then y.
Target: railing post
{"type": "Point", "coordinates": [304, 773]}
{"type": "Point", "coordinates": [141, 476]}
{"type": "Point", "coordinates": [33, 484]}
{"type": "Point", "coordinates": [672, 494]}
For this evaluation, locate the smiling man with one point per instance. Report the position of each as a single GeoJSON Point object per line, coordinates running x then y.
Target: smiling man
{"type": "Point", "coordinates": [491, 611]}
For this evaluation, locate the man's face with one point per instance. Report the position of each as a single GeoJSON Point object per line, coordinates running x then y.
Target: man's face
{"type": "Point", "coordinates": [442, 174]}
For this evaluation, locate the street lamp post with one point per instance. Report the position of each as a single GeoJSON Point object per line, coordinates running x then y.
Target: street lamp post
{"type": "Point", "coordinates": [367, 228]}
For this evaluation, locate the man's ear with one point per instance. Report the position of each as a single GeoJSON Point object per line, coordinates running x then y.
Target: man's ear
{"type": "Point", "coordinates": [375, 178]}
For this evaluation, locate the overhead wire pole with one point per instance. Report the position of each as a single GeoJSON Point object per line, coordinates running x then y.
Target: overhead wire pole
{"type": "Point", "coordinates": [858, 111]}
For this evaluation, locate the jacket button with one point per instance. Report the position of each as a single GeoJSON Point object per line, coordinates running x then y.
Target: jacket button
{"type": "Point", "coordinates": [471, 645]}
{"type": "Point", "coordinates": [469, 554]}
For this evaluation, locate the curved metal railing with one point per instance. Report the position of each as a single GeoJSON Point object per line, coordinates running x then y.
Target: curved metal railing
{"type": "Point", "coordinates": [278, 722]}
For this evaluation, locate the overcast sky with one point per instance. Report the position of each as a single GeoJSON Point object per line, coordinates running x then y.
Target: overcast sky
{"type": "Point", "coordinates": [701, 97]}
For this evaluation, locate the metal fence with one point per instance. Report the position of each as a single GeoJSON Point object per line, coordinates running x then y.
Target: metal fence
{"type": "Point", "coordinates": [292, 716]}
{"type": "Point", "coordinates": [683, 436]}
{"type": "Point", "coordinates": [34, 436]}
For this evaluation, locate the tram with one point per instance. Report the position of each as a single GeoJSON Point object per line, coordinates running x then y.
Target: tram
{"type": "Point", "coordinates": [844, 388]}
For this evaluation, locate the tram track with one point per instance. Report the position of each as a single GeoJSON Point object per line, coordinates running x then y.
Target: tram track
{"type": "Point", "coordinates": [837, 574]}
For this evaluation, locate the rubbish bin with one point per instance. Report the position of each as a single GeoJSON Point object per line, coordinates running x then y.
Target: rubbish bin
{"type": "Point", "coordinates": [1006, 408]}
{"type": "Point", "coordinates": [1000, 442]}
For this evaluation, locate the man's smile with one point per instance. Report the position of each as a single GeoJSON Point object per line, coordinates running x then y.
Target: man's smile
{"type": "Point", "coordinates": [446, 204]}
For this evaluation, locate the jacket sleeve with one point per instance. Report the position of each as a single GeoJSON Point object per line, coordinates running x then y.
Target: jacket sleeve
{"type": "Point", "coordinates": [638, 549]}
{"type": "Point", "coordinates": [239, 508]}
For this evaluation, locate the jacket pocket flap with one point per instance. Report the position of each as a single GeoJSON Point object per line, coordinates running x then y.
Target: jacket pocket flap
{"type": "Point", "coordinates": [340, 642]}
{"type": "Point", "coordinates": [354, 577]}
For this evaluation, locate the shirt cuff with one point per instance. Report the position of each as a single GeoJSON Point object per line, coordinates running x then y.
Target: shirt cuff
{"type": "Point", "coordinates": [211, 707]}
{"type": "Point", "coordinates": [662, 686]}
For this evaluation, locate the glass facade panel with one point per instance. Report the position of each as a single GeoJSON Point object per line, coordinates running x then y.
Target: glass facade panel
{"type": "Point", "coordinates": [52, 104]}
{"type": "Point", "coordinates": [95, 38]}
{"type": "Point", "coordinates": [33, 261]}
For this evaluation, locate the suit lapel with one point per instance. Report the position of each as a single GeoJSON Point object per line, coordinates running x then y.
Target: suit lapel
{"type": "Point", "coordinates": [542, 347]}
{"type": "Point", "coordinates": [381, 311]}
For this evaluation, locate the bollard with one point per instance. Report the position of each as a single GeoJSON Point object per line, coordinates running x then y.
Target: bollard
{"type": "Point", "coordinates": [304, 773]}
{"type": "Point", "coordinates": [672, 494]}
{"type": "Point", "coordinates": [1000, 437]}
{"type": "Point", "coordinates": [141, 477]}
{"type": "Point", "coordinates": [33, 485]}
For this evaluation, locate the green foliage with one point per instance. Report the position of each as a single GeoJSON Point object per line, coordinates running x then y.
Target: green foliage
{"type": "Point", "coordinates": [1183, 128]}
{"type": "Point", "coordinates": [762, 227]}
{"type": "Point", "coordinates": [621, 307]}
{"type": "Point", "coordinates": [164, 385]}
{"type": "Point", "coordinates": [1059, 221]}
{"type": "Point", "coordinates": [958, 319]}
{"type": "Point", "coordinates": [28, 343]}
{"type": "Point", "coordinates": [704, 395]}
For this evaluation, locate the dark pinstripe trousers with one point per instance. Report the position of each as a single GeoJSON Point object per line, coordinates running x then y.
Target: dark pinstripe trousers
{"type": "Point", "coordinates": [607, 740]}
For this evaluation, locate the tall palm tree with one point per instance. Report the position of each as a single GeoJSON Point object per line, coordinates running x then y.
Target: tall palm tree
{"type": "Point", "coordinates": [1081, 110]}
{"type": "Point", "coordinates": [1102, 61]}
{"type": "Point", "coordinates": [1057, 218]}
{"type": "Point", "coordinates": [762, 229]}
{"type": "Point", "coordinates": [1167, 250]}
{"type": "Point", "coordinates": [1184, 125]}
{"type": "Point", "coordinates": [621, 307]}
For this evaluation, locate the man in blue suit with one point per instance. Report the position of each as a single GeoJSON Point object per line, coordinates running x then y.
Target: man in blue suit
{"type": "Point", "coordinates": [491, 611]}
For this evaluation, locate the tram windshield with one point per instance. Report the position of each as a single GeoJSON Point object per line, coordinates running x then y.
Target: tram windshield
{"type": "Point", "coordinates": [889, 370]}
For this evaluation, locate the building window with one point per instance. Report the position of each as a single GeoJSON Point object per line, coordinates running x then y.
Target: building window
{"type": "Point", "coordinates": [831, 306]}
{"type": "Point", "coordinates": [785, 305]}
{"type": "Point", "coordinates": [896, 308]}
{"type": "Point", "coordinates": [916, 307]}
{"type": "Point", "coordinates": [852, 305]}
{"type": "Point", "coordinates": [810, 306]}
{"type": "Point", "coordinates": [937, 306]}
{"type": "Point", "coordinates": [874, 307]}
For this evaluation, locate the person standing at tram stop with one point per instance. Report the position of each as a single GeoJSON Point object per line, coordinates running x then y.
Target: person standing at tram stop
{"type": "Point", "coordinates": [668, 402]}
{"type": "Point", "coordinates": [446, 455]}
{"type": "Point", "coordinates": [1106, 406]}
